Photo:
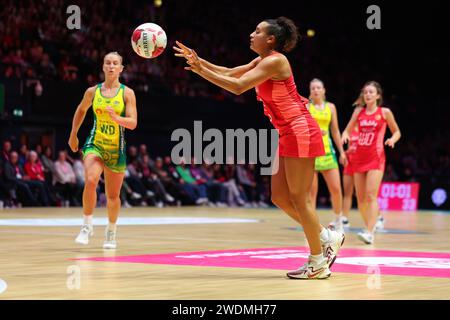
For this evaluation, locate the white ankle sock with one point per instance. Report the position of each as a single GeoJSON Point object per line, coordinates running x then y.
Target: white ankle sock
{"type": "Point", "coordinates": [324, 235]}
{"type": "Point", "coordinates": [318, 258]}
{"type": "Point", "coordinates": [112, 226]}
{"type": "Point", "coordinates": [87, 219]}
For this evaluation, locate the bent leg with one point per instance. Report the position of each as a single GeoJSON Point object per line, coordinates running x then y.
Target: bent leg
{"type": "Point", "coordinates": [333, 181]}
{"type": "Point", "coordinates": [280, 193]}
{"type": "Point", "coordinates": [93, 168]}
{"type": "Point", "coordinates": [299, 177]}
{"type": "Point", "coordinates": [113, 184]}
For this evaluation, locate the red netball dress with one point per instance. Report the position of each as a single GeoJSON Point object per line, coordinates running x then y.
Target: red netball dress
{"type": "Point", "coordinates": [353, 143]}
{"type": "Point", "coordinates": [369, 153]}
{"type": "Point", "coordinates": [299, 133]}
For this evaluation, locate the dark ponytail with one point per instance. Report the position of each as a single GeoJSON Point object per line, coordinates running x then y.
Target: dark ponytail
{"type": "Point", "coordinates": [285, 32]}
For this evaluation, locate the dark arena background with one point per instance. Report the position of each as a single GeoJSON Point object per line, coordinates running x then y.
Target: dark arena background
{"type": "Point", "coordinates": [222, 247]}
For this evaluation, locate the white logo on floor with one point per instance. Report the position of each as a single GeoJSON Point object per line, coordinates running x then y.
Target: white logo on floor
{"type": "Point", "coordinates": [122, 221]}
{"type": "Point", "coordinates": [398, 262]}
{"type": "Point", "coordinates": [3, 286]}
{"type": "Point", "coordinates": [281, 254]}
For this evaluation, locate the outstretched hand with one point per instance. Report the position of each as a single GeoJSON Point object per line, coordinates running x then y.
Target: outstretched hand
{"type": "Point", "coordinates": [182, 50]}
{"type": "Point", "coordinates": [190, 55]}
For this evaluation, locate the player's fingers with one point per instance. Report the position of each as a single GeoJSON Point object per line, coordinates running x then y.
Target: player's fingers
{"type": "Point", "coordinates": [182, 45]}
{"type": "Point", "coordinates": [194, 54]}
{"type": "Point", "coordinates": [180, 51]}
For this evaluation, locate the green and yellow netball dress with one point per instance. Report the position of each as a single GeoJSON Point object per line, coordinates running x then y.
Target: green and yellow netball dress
{"type": "Point", "coordinates": [107, 139]}
{"type": "Point", "coordinates": [323, 118]}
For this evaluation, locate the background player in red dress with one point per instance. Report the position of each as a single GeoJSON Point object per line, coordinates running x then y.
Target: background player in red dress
{"type": "Point", "coordinates": [368, 161]}
{"type": "Point", "coordinates": [349, 185]}
{"type": "Point", "coordinates": [300, 139]}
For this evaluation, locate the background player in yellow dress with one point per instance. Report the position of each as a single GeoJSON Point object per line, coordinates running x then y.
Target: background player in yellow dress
{"type": "Point", "coordinates": [326, 116]}
{"type": "Point", "coordinates": [114, 109]}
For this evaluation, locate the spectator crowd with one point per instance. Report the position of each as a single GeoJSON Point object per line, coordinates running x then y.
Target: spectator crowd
{"type": "Point", "coordinates": [37, 178]}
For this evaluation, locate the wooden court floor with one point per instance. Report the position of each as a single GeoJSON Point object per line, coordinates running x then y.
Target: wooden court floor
{"type": "Point", "coordinates": [39, 261]}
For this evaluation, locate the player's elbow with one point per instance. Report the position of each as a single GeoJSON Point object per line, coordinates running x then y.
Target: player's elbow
{"type": "Point", "coordinates": [238, 90]}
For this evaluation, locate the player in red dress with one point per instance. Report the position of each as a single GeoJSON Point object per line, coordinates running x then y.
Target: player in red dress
{"type": "Point", "coordinates": [368, 160]}
{"type": "Point", "coordinates": [300, 139]}
{"type": "Point", "coordinates": [349, 185]}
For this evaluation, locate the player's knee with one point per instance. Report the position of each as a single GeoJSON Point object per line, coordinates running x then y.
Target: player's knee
{"type": "Point", "coordinates": [279, 199]}
{"type": "Point", "coordinates": [91, 182]}
{"type": "Point", "coordinates": [113, 196]}
{"type": "Point", "coordinates": [301, 200]}
{"type": "Point", "coordinates": [335, 190]}
{"type": "Point", "coordinates": [370, 196]}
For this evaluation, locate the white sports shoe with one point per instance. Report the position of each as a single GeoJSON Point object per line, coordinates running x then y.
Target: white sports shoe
{"type": "Point", "coordinates": [345, 222]}
{"type": "Point", "coordinates": [311, 270]}
{"type": "Point", "coordinates": [337, 224]}
{"type": "Point", "coordinates": [110, 241]}
{"type": "Point", "coordinates": [366, 237]}
{"type": "Point", "coordinates": [380, 223]}
{"type": "Point", "coordinates": [331, 247]}
{"type": "Point", "coordinates": [87, 231]}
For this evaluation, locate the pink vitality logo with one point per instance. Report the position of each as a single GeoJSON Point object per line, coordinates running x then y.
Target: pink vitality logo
{"type": "Point", "coordinates": [390, 262]}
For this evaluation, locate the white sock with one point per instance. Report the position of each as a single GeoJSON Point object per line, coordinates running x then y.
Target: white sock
{"type": "Point", "coordinates": [112, 226]}
{"type": "Point", "coordinates": [87, 219]}
{"type": "Point", "coordinates": [318, 258]}
{"type": "Point", "coordinates": [324, 235]}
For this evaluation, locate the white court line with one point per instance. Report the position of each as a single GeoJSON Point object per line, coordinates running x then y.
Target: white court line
{"type": "Point", "coordinates": [60, 222]}
{"type": "Point", "coordinates": [297, 243]}
{"type": "Point", "coordinates": [73, 235]}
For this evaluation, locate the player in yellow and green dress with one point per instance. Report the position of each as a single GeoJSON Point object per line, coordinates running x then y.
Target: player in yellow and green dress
{"type": "Point", "coordinates": [114, 109]}
{"type": "Point", "coordinates": [325, 114]}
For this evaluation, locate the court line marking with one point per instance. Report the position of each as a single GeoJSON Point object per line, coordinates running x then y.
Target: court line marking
{"type": "Point", "coordinates": [60, 222]}
{"type": "Point", "coordinates": [297, 243]}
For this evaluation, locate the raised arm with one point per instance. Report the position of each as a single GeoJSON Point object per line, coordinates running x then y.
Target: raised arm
{"type": "Point", "coordinates": [79, 116]}
{"type": "Point", "coordinates": [393, 126]}
{"type": "Point", "coordinates": [264, 70]}
{"type": "Point", "coordinates": [130, 119]}
{"type": "Point", "coordinates": [351, 124]}
{"type": "Point", "coordinates": [236, 72]}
